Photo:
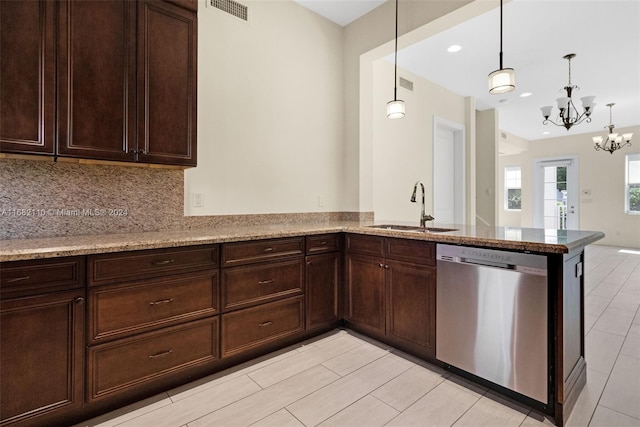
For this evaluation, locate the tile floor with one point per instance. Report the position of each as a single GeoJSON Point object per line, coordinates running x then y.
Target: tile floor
{"type": "Point", "coordinates": [344, 379]}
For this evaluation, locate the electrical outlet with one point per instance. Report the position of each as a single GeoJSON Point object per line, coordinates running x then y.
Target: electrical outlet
{"type": "Point", "coordinates": [320, 201]}
{"type": "Point", "coordinates": [197, 200]}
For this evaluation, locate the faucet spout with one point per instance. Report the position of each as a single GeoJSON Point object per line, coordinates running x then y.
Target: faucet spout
{"type": "Point", "coordinates": [423, 217]}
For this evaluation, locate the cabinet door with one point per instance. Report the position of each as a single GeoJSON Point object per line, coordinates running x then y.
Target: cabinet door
{"type": "Point", "coordinates": [167, 69]}
{"type": "Point", "coordinates": [365, 293]}
{"type": "Point", "coordinates": [322, 290]}
{"type": "Point", "coordinates": [27, 73]}
{"type": "Point", "coordinates": [47, 380]}
{"type": "Point", "coordinates": [411, 306]}
{"type": "Point", "coordinates": [96, 79]}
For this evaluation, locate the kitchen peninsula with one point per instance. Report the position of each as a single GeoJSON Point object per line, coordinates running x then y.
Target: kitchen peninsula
{"type": "Point", "coordinates": [113, 306]}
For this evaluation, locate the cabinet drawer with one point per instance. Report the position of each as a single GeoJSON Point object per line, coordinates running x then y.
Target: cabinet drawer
{"type": "Point", "coordinates": [246, 285]}
{"type": "Point", "coordinates": [124, 266]}
{"type": "Point", "coordinates": [120, 310]}
{"type": "Point", "coordinates": [261, 250]}
{"type": "Point", "coordinates": [21, 278]}
{"type": "Point", "coordinates": [323, 243]}
{"type": "Point", "coordinates": [368, 245]}
{"type": "Point", "coordinates": [413, 251]}
{"type": "Point", "coordinates": [131, 362]}
{"type": "Point", "coordinates": [251, 327]}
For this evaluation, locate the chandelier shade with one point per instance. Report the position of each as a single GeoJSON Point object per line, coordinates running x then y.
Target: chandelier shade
{"type": "Point", "coordinates": [395, 109]}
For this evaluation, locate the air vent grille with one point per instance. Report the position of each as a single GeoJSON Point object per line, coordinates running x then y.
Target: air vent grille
{"type": "Point", "coordinates": [232, 7]}
{"type": "Point", "coordinates": [407, 84]}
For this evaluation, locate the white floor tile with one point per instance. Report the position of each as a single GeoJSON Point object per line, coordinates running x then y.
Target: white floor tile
{"type": "Point", "coordinates": [622, 392]}
{"type": "Point", "coordinates": [406, 389]}
{"type": "Point", "coordinates": [605, 417]}
{"type": "Point", "coordinates": [442, 406]}
{"type": "Point", "coordinates": [631, 346]}
{"type": "Point", "coordinates": [492, 410]}
{"type": "Point", "coordinates": [354, 359]}
{"type": "Point", "coordinates": [589, 321]}
{"type": "Point", "coordinates": [615, 321]}
{"type": "Point", "coordinates": [330, 400]}
{"type": "Point", "coordinates": [128, 412]}
{"type": "Point", "coordinates": [588, 399]}
{"type": "Point", "coordinates": [368, 411]}
{"type": "Point", "coordinates": [535, 419]}
{"type": "Point", "coordinates": [197, 405]}
{"type": "Point", "coordinates": [264, 403]}
{"type": "Point", "coordinates": [594, 305]}
{"type": "Point", "coordinates": [601, 350]}
{"type": "Point", "coordinates": [282, 418]}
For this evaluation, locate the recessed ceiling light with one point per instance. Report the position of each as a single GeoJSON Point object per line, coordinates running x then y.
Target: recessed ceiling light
{"type": "Point", "coordinates": [546, 132]}
{"type": "Point", "coordinates": [525, 94]}
{"type": "Point", "coordinates": [454, 48]}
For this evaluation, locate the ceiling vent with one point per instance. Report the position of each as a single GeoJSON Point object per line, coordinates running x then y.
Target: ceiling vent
{"type": "Point", "coordinates": [406, 84]}
{"type": "Point", "coordinates": [231, 7]}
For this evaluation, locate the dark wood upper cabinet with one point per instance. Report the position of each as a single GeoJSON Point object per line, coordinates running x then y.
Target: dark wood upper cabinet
{"type": "Point", "coordinates": [104, 80]}
{"type": "Point", "coordinates": [27, 73]}
{"type": "Point", "coordinates": [167, 52]}
{"type": "Point", "coordinates": [96, 79]}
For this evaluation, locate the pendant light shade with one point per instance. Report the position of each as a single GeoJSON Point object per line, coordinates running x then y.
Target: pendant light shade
{"type": "Point", "coordinates": [504, 79]}
{"type": "Point", "coordinates": [395, 108]}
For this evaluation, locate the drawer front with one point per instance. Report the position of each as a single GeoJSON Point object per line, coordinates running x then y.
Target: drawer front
{"type": "Point", "coordinates": [125, 266]}
{"type": "Point", "coordinates": [260, 250]}
{"type": "Point", "coordinates": [120, 310]}
{"type": "Point", "coordinates": [413, 251]}
{"type": "Point", "coordinates": [252, 327]}
{"type": "Point", "coordinates": [248, 285]}
{"type": "Point", "coordinates": [323, 243]}
{"type": "Point", "coordinates": [131, 362]}
{"type": "Point", "coordinates": [22, 278]}
{"type": "Point", "coordinates": [368, 245]}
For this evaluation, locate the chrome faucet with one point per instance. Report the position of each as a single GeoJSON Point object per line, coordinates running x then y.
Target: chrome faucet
{"type": "Point", "coordinates": [423, 217]}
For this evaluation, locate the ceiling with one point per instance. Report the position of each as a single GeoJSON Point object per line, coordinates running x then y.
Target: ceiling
{"type": "Point", "coordinates": [604, 34]}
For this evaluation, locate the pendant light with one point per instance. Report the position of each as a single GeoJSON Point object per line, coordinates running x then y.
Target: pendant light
{"type": "Point", "coordinates": [504, 79]}
{"type": "Point", "coordinates": [395, 108]}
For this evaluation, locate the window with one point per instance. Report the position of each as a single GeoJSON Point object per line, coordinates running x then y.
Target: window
{"type": "Point", "coordinates": [512, 188]}
{"type": "Point", "coordinates": [633, 184]}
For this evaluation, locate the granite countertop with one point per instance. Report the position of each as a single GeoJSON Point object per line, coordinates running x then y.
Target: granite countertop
{"type": "Point", "coordinates": [520, 239]}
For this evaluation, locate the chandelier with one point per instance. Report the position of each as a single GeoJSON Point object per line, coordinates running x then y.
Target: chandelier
{"type": "Point", "coordinates": [569, 114]}
{"type": "Point", "coordinates": [614, 141]}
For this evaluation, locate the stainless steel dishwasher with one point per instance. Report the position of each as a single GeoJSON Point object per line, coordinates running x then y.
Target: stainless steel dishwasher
{"type": "Point", "coordinates": [491, 316]}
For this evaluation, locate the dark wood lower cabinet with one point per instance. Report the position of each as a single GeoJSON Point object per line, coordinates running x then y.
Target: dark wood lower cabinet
{"type": "Point", "coordinates": [411, 306]}
{"type": "Point", "coordinates": [42, 354]}
{"type": "Point", "coordinates": [322, 288]}
{"type": "Point", "coordinates": [365, 293]}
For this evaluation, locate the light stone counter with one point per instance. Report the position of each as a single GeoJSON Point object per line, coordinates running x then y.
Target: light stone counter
{"type": "Point", "coordinates": [519, 239]}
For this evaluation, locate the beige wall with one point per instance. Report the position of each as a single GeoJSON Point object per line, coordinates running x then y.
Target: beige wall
{"type": "Point", "coordinates": [270, 112]}
{"type": "Point", "coordinates": [600, 172]}
{"type": "Point", "coordinates": [403, 149]}
{"type": "Point", "coordinates": [486, 166]}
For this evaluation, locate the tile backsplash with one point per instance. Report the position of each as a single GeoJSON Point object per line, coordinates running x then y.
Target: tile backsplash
{"type": "Point", "coordinates": [43, 199]}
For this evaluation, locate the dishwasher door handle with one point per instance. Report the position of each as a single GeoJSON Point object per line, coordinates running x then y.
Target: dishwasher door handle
{"type": "Point", "coordinates": [486, 263]}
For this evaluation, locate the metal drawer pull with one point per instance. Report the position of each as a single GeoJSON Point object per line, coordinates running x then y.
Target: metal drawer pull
{"type": "Point", "coordinates": [18, 279]}
{"type": "Point", "coordinates": [162, 301]}
{"type": "Point", "coordinates": [165, 262]}
{"type": "Point", "coordinates": [161, 354]}
{"type": "Point", "coordinates": [269, 249]}
{"type": "Point", "coordinates": [324, 242]}
{"type": "Point", "coordinates": [265, 323]}
{"type": "Point", "coordinates": [265, 282]}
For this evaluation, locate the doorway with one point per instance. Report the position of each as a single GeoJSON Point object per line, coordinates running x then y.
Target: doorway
{"type": "Point", "coordinates": [448, 171]}
{"type": "Point", "coordinates": [555, 194]}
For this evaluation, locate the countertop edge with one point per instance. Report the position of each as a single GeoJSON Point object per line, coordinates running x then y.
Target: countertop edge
{"type": "Point", "coordinates": [159, 240]}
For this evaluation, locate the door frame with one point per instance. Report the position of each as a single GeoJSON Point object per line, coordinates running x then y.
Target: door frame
{"type": "Point", "coordinates": [573, 176]}
{"type": "Point", "coordinates": [459, 151]}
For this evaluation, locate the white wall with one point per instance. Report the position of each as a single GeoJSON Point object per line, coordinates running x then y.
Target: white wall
{"type": "Point", "coordinates": [403, 149]}
{"type": "Point", "coordinates": [486, 166]}
{"type": "Point", "coordinates": [600, 172]}
{"type": "Point", "coordinates": [270, 112]}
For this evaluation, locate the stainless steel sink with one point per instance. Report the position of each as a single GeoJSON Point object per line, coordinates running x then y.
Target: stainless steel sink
{"type": "Point", "coordinates": [412, 228]}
